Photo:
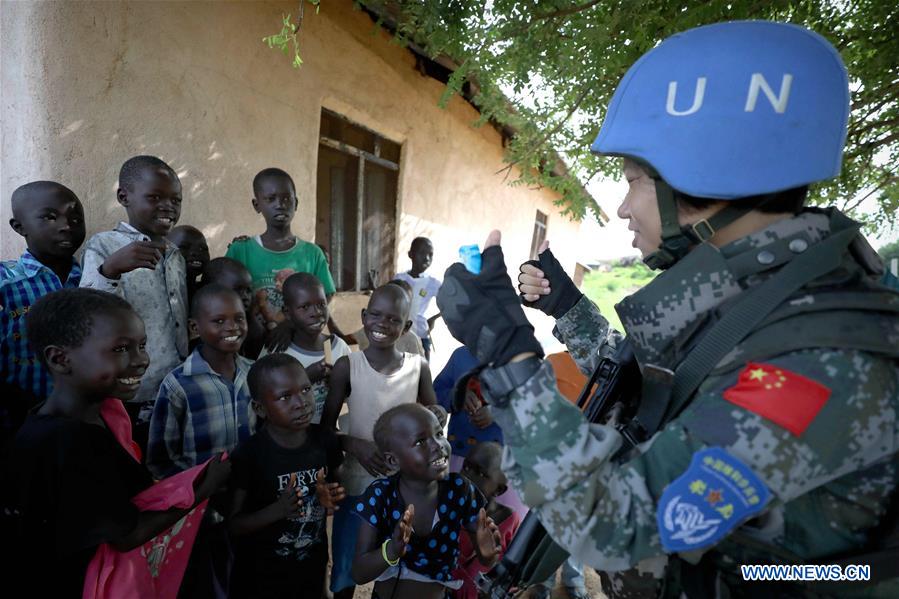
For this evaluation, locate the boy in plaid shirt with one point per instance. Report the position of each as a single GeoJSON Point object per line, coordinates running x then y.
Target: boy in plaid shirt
{"type": "Point", "coordinates": [50, 218]}
{"type": "Point", "coordinates": [203, 405]}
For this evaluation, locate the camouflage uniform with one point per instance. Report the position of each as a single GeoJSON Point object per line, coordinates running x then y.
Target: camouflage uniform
{"type": "Point", "coordinates": [831, 484]}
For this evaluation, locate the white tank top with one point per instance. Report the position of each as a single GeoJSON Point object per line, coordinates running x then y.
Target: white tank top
{"type": "Point", "coordinates": [371, 394]}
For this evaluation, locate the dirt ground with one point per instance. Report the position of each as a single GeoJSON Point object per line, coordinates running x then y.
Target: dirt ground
{"type": "Point", "coordinates": [593, 587]}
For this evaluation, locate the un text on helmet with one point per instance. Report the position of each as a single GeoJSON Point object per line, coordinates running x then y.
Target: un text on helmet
{"type": "Point", "coordinates": [757, 83]}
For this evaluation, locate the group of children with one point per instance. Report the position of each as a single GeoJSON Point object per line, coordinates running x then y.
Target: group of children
{"type": "Point", "coordinates": [147, 329]}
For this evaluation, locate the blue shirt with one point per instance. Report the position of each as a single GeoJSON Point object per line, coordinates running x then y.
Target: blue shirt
{"type": "Point", "coordinates": [198, 413]}
{"type": "Point", "coordinates": [462, 434]}
{"type": "Point", "coordinates": [22, 282]}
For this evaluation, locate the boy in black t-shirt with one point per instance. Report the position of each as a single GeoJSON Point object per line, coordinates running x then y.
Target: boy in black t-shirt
{"type": "Point", "coordinates": [281, 545]}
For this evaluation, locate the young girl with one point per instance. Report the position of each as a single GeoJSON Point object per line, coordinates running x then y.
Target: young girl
{"type": "Point", "coordinates": [69, 480]}
{"type": "Point", "coordinates": [482, 468]}
{"type": "Point", "coordinates": [410, 537]}
{"type": "Point", "coordinates": [370, 382]}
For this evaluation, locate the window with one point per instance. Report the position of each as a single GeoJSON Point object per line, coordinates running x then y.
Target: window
{"type": "Point", "coordinates": [358, 175]}
{"type": "Point", "coordinates": [539, 234]}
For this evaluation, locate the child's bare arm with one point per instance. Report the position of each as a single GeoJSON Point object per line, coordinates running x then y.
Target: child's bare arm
{"type": "Point", "coordinates": [338, 390]}
{"type": "Point", "coordinates": [369, 561]}
{"type": "Point", "coordinates": [137, 254]}
{"type": "Point", "coordinates": [363, 450]}
{"type": "Point", "coordinates": [426, 396]}
{"type": "Point", "coordinates": [150, 524]}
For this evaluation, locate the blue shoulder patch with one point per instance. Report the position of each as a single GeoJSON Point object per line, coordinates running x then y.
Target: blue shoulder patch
{"type": "Point", "coordinates": [712, 497]}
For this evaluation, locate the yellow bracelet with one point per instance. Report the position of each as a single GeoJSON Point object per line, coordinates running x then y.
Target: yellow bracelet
{"type": "Point", "coordinates": [384, 554]}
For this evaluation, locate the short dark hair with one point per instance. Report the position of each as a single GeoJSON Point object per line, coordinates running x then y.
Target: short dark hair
{"type": "Point", "coordinates": [207, 291]}
{"type": "Point", "coordinates": [299, 280]}
{"type": "Point", "coordinates": [217, 266]}
{"type": "Point", "coordinates": [186, 231]}
{"type": "Point", "coordinates": [492, 450]}
{"type": "Point", "coordinates": [383, 429]}
{"type": "Point", "coordinates": [23, 193]}
{"type": "Point", "coordinates": [419, 241]}
{"type": "Point", "coordinates": [790, 200]}
{"type": "Point", "coordinates": [401, 283]}
{"type": "Point", "coordinates": [66, 317]}
{"type": "Point", "coordinates": [134, 167]}
{"type": "Point", "coordinates": [395, 291]}
{"type": "Point", "coordinates": [262, 367]}
{"type": "Point", "coordinates": [269, 173]}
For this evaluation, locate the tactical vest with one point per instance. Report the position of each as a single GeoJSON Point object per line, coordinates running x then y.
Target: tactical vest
{"type": "Point", "coordinates": [842, 305]}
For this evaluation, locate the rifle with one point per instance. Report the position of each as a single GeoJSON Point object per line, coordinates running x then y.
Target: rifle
{"type": "Point", "coordinates": [532, 556]}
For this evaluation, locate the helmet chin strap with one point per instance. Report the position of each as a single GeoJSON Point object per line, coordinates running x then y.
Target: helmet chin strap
{"type": "Point", "coordinates": [677, 240]}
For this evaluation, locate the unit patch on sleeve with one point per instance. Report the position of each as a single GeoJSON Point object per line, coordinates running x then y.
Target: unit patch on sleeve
{"type": "Point", "coordinates": [712, 497]}
{"type": "Point", "coordinates": [785, 398]}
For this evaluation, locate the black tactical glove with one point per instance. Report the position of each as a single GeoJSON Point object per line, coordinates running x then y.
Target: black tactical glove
{"type": "Point", "coordinates": [484, 312]}
{"type": "Point", "coordinates": [564, 294]}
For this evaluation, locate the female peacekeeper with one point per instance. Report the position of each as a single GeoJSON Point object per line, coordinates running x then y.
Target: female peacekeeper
{"type": "Point", "coordinates": [767, 429]}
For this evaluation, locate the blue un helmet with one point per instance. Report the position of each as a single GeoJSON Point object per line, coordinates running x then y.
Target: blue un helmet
{"type": "Point", "coordinates": [729, 111]}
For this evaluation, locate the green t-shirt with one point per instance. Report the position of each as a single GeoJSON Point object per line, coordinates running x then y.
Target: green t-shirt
{"type": "Point", "coordinates": [270, 269]}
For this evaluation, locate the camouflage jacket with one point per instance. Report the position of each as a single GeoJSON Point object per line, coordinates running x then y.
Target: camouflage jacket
{"type": "Point", "coordinates": [830, 485]}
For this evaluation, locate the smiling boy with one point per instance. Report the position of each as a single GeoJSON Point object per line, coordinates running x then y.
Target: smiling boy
{"type": "Point", "coordinates": [370, 382]}
{"type": "Point", "coordinates": [235, 276]}
{"type": "Point", "coordinates": [136, 262]}
{"type": "Point", "coordinates": [203, 405]}
{"type": "Point", "coordinates": [50, 218]}
{"type": "Point", "coordinates": [192, 244]}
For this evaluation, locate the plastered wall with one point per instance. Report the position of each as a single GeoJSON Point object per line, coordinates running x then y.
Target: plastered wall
{"type": "Point", "coordinates": [85, 85]}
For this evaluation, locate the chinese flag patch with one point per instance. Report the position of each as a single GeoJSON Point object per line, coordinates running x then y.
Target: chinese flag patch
{"type": "Point", "coordinates": [788, 399]}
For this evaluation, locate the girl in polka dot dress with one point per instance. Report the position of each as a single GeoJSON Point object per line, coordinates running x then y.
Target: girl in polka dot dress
{"type": "Point", "coordinates": [409, 542]}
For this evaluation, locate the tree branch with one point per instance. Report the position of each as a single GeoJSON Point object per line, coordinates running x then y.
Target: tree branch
{"type": "Point", "coordinates": [564, 12]}
{"type": "Point", "coordinates": [889, 178]}
{"type": "Point", "coordinates": [870, 125]}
